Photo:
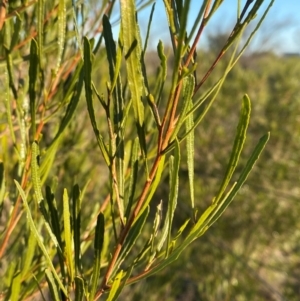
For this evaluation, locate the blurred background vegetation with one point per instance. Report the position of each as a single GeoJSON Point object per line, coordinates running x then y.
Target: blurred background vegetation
{"type": "Point", "coordinates": [252, 252]}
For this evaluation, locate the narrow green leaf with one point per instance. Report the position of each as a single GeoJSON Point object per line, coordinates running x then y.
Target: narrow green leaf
{"type": "Point", "coordinates": [35, 172]}
{"type": "Point", "coordinates": [209, 96]}
{"type": "Point", "coordinates": [182, 19]}
{"type": "Point", "coordinates": [114, 288]}
{"type": "Point", "coordinates": [132, 236]}
{"type": "Point", "coordinates": [40, 29]}
{"type": "Point", "coordinates": [98, 244]}
{"type": "Point", "coordinates": [124, 277]}
{"type": "Point", "coordinates": [89, 98]}
{"type": "Point", "coordinates": [110, 47]}
{"type": "Point", "coordinates": [8, 107]}
{"type": "Point", "coordinates": [118, 111]}
{"type": "Point", "coordinates": [39, 239]}
{"type": "Point", "coordinates": [154, 110]}
{"type": "Point", "coordinates": [10, 71]}
{"type": "Point", "coordinates": [133, 54]}
{"type": "Point", "coordinates": [148, 27]}
{"type": "Point", "coordinates": [170, 16]}
{"type": "Point", "coordinates": [154, 185]}
{"type": "Point", "coordinates": [16, 35]}
{"type": "Point", "coordinates": [133, 177]}
{"type": "Point", "coordinates": [68, 235]}
{"type": "Point", "coordinates": [117, 63]}
{"type": "Point", "coordinates": [237, 146]}
{"type": "Point", "coordinates": [76, 226]}
{"type": "Point", "coordinates": [217, 208]}
{"type": "Point", "coordinates": [37, 280]}
{"type": "Point", "coordinates": [243, 177]}
{"type": "Point", "coordinates": [2, 185]}
{"type": "Point", "coordinates": [174, 164]}
{"type": "Point", "coordinates": [188, 91]}
{"type": "Point", "coordinates": [74, 89]}
{"type": "Point", "coordinates": [190, 147]}
{"type": "Point", "coordinates": [162, 69]}
{"type": "Point", "coordinates": [30, 253]}
{"type": "Point", "coordinates": [38, 193]}
{"type": "Point", "coordinates": [79, 289]}
{"type": "Point", "coordinates": [56, 228]}
{"type": "Point", "coordinates": [54, 214]}
{"type": "Point", "coordinates": [10, 272]}
{"type": "Point", "coordinates": [16, 287]}
{"type": "Point", "coordinates": [54, 291]}
{"type": "Point", "coordinates": [181, 229]}
{"type": "Point", "coordinates": [155, 231]}
{"type": "Point", "coordinates": [61, 31]}
{"type": "Point", "coordinates": [77, 34]}
{"type": "Point", "coordinates": [33, 72]}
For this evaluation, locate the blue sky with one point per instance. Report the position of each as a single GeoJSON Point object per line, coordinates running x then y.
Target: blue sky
{"type": "Point", "coordinates": [280, 31]}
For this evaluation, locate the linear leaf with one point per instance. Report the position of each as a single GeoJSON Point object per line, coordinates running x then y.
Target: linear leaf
{"type": "Point", "coordinates": [76, 226]}
{"type": "Point", "coordinates": [188, 91]}
{"type": "Point", "coordinates": [174, 164]}
{"type": "Point", "coordinates": [79, 289]}
{"type": "Point", "coordinates": [133, 177]}
{"type": "Point", "coordinates": [54, 291]}
{"type": "Point", "coordinates": [8, 105]}
{"type": "Point", "coordinates": [154, 185]}
{"type": "Point", "coordinates": [2, 185]}
{"type": "Point", "coordinates": [162, 68]}
{"type": "Point", "coordinates": [38, 191]}
{"type": "Point", "coordinates": [16, 287]}
{"type": "Point", "coordinates": [98, 245]}
{"type": "Point", "coordinates": [68, 235]}
{"type": "Point", "coordinates": [148, 28]}
{"type": "Point", "coordinates": [133, 54]}
{"type": "Point", "coordinates": [132, 236]}
{"type": "Point", "coordinates": [89, 98]}
{"type": "Point", "coordinates": [56, 228]}
{"type": "Point", "coordinates": [16, 35]}
{"type": "Point", "coordinates": [35, 172]}
{"type": "Point", "coordinates": [61, 31]}
{"type": "Point", "coordinates": [118, 110]}
{"type": "Point", "coordinates": [74, 89]}
{"type": "Point", "coordinates": [156, 227]}
{"type": "Point", "coordinates": [190, 147]}
{"type": "Point", "coordinates": [33, 71]}
{"type": "Point", "coordinates": [117, 64]}
{"type": "Point", "coordinates": [40, 29]}
{"type": "Point", "coordinates": [110, 47]}
{"type": "Point", "coordinates": [124, 277]}
{"type": "Point", "coordinates": [182, 19]}
{"type": "Point", "coordinates": [30, 253]}
{"type": "Point", "coordinates": [114, 289]}
{"type": "Point", "coordinates": [243, 177]}
{"type": "Point", "coordinates": [10, 71]}
{"type": "Point", "coordinates": [39, 239]}
{"type": "Point", "coordinates": [237, 146]}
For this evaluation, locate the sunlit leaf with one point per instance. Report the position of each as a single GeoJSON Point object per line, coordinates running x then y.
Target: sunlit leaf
{"type": "Point", "coordinates": [98, 244]}
{"type": "Point", "coordinates": [39, 239]}
{"type": "Point", "coordinates": [68, 235]}
{"type": "Point", "coordinates": [132, 51]}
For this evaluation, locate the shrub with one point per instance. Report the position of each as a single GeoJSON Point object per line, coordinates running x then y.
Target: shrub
{"type": "Point", "coordinates": [90, 141]}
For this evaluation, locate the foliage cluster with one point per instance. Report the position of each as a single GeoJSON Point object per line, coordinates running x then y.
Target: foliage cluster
{"type": "Point", "coordinates": [95, 149]}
